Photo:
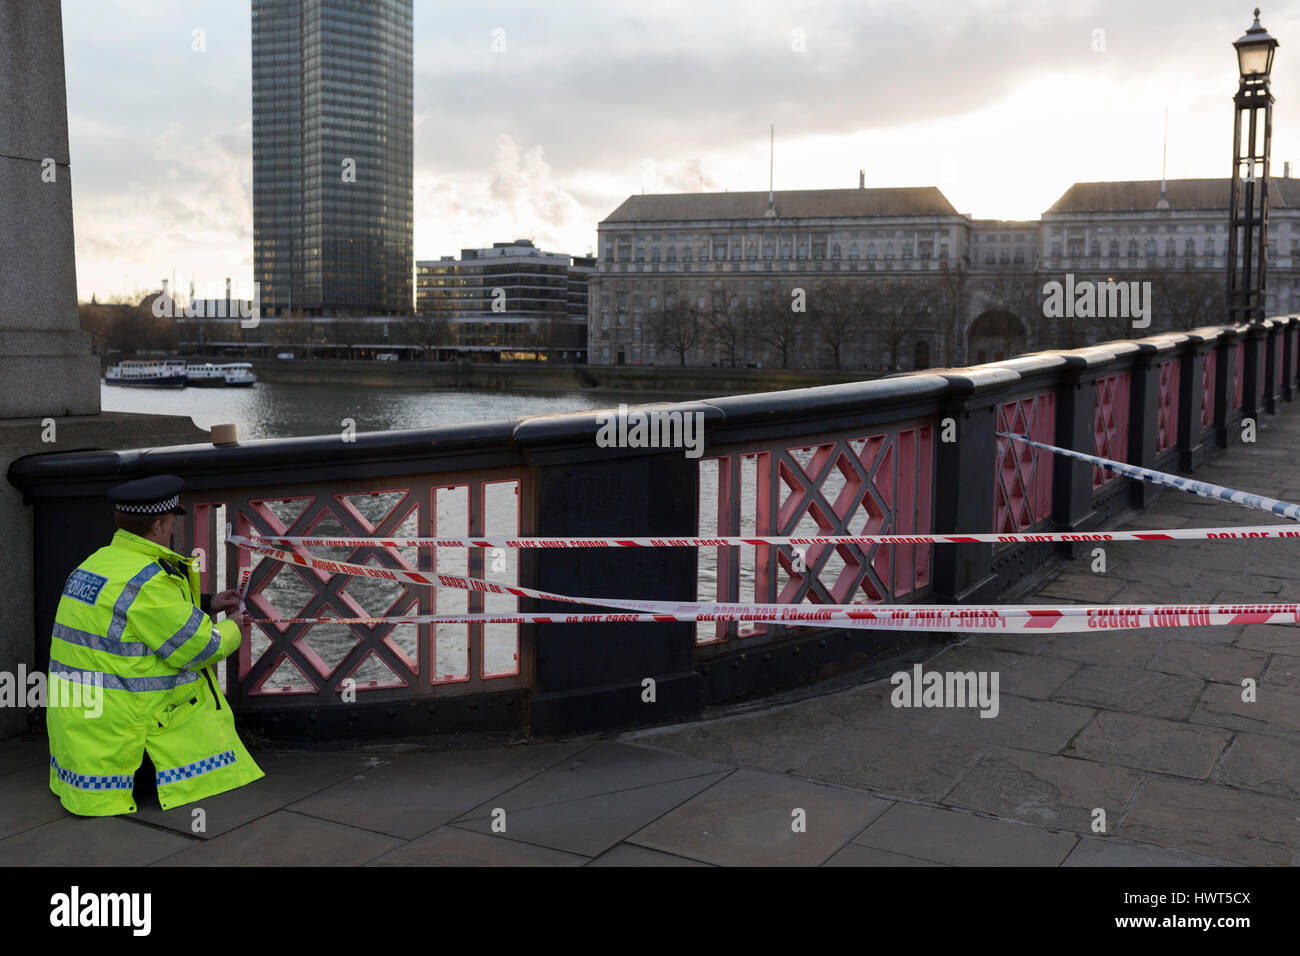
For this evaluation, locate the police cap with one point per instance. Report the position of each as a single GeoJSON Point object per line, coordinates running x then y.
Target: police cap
{"type": "Point", "coordinates": [159, 494]}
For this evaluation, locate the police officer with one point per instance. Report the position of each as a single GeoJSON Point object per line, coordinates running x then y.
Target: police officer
{"type": "Point", "coordinates": [131, 669]}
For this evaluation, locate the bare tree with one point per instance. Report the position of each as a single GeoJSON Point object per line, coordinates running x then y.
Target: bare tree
{"type": "Point", "coordinates": [950, 299]}
{"type": "Point", "coordinates": [676, 327]}
{"type": "Point", "coordinates": [350, 334]}
{"type": "Point", "coordinates": [838, 313]}
{"type": "Point", "coordinates": [1186, 299]}
{"type": "Point", "coordinates": [778, 326]}
{"type": "Point", "coordinates": [897, 305]}
{"type": "Point", "coordinates": [729, 330]}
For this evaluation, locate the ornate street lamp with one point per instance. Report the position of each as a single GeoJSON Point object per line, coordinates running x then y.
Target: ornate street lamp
{"type": "Point", "coordinates": [1248, 209]}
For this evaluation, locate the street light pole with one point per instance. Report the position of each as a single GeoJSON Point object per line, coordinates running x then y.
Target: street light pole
{"type": "Point", "coordinates": [1248, 205]}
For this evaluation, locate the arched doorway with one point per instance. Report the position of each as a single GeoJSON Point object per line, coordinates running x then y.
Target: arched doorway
{"type": "Point", "coordinates": [995, 335]}
{"type": "Point", "coordinates": [921, 355]}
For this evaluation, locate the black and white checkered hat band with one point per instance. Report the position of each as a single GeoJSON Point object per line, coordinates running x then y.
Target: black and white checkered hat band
{"type": "Point", "coordinates": [157, 507]}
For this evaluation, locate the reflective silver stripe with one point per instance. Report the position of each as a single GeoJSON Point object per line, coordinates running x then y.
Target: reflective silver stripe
{"type": "Point", "coordinates": [81, 675]}
{"type": "Point", "coordinates": [97, 643]}
{"type": "Point", "coordinates": [177, 640]}
{"type": "Point", "coordinates": [201, 659]}
{"type": "Point", "coordinates": [124, 600]}
{"type": "Point", "coordinates": [93, 781]}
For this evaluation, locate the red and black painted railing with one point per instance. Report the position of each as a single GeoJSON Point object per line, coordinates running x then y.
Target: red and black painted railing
{"type": "Point", "coordinates": [910, 453]}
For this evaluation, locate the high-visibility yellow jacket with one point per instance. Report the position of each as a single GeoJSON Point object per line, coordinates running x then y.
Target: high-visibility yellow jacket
{"type": "Point", "coordinates": [129, 670]}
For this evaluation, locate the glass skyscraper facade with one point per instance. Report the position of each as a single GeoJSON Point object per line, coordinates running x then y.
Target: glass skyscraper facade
{"type": "Point", "coordinates": [333, 125]}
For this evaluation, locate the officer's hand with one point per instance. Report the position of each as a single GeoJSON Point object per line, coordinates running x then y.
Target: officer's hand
{"type": "Point", "coordinates": [226, 601]}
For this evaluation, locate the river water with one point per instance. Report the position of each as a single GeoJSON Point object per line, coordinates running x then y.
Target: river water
{"type": "Point", "coordinates": [269, 410]}
{"type": "Point", "coordinates": [288, 410]}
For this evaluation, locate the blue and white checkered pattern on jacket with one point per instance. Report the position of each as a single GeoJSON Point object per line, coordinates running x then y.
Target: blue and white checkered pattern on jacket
{"type": "Point", "coordinates": [91, 781]}
{"type": "Point", "coordinates": [203, 766]}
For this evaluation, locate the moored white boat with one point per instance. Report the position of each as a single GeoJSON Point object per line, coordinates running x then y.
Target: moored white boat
{"type": "Point", "coordinates": [238, 374]}
{"type": "Point", "coordinates": [142, 373]}
{"type": "Point", "coordinates": [204, 375]}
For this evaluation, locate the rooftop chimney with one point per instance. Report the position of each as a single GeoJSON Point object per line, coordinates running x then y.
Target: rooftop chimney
{"type": "Point", "coordinates": [1286, 169]}
{"type": "Point", "coordinates": [862, 179]}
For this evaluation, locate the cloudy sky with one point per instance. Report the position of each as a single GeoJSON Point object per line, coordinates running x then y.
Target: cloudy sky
{"type": "Point", "coordinates": [1000, 103]}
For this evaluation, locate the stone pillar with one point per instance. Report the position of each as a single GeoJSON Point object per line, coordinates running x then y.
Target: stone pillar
{"type": "Point", "coordinates": [45, 363]}
{"type": "Point", "coordinates": [49, 380]}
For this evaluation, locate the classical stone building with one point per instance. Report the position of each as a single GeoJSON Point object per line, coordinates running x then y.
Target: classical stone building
{"type": "Point", "coordinates": [864, 278]}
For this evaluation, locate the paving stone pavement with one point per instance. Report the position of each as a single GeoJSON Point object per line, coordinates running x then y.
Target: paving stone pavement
{"type": "Point", "coordinates": [1114, 749]}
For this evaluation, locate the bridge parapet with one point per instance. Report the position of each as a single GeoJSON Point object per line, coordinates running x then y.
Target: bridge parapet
{"type": "Point", "coordinates": [917, 452]}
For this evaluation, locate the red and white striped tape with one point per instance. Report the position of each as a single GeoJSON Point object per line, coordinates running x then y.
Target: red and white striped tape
{"type": "Point", "coordinates": [1013, 618]}
{"type": "Point", "coordinates": [1010, 618]}
{"type": "Point", "coordinates": [1281, 530]}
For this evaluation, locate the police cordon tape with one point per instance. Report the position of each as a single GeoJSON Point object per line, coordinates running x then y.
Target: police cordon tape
{"type": "Point", "coordinates": [1015, 618]}
{"type": "Point", "coordinates": [499, 541]}
{"type": "Point", "coordinates": [1203, 489]}
{"type": "Point", "coordinates": [928, 617]}
{"type": "Point", "coordinates": [1012, 618]}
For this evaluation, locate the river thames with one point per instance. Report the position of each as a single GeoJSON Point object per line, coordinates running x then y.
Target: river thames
{"type": "Point", "coordinates": [284, 410]}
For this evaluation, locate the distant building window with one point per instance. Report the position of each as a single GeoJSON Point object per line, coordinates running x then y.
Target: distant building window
{"type": "Point", "coordinates": [1004, 255]}
{"type": "Point", "coordinates": [1095, 249]}
{"type": "Point", "coordinates": [835, 251]}
{"type": "Point", "coordinates": [1020, 254]}
{"type": "Point", "coordinates": [1132, 248]}
{"type": "Point", "coordinates": [1189, 247]}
